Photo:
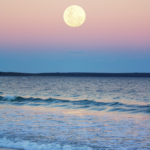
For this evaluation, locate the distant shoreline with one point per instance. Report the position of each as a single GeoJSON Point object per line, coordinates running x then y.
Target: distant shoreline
{"type": "Point", "coordinates": [77, 74]}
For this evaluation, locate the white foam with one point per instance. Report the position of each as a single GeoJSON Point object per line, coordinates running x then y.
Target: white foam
{"type": "Point", "coordinates": [27, 145]}
{"type": "Point", "coordinates": [9, 97]}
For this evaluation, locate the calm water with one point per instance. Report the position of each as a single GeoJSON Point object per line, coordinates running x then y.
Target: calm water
{"type": "Point", "coordinates": [75, 113]}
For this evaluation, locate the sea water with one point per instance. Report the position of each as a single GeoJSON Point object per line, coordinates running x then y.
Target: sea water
{"type": "Point", "coordinates": [75, 113]}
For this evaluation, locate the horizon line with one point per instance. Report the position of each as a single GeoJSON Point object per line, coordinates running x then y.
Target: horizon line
{"type": "Point", "coordinates": [77, 74]}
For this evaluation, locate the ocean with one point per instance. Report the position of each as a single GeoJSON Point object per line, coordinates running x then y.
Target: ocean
{"type": "Point", "coordinates": [75, 113]}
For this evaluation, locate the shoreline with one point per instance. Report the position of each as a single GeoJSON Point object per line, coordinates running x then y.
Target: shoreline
{"type": "Point", "coordinates": [76, 74]}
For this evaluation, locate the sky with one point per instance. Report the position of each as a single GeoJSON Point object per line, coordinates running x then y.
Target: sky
{"type": "Point", "coordinates": [115, 36]}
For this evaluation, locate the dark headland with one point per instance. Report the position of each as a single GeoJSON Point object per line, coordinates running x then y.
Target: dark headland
{"type": "Point", "coordinates": [77, 74]}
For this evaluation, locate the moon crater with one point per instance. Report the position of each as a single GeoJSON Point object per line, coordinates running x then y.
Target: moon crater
{"type": "Point", "coordinates": [74, 16]}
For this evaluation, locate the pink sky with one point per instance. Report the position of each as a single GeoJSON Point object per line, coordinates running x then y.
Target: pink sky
{"type": "Point", "coordinates": [109, 23]}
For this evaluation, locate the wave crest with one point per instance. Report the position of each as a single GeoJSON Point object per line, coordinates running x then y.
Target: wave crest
{"type": "Point", "coordinates": [9, 97]}
{"type": "Point", "coordinates": [27, 145]}
{"type": "Point", "coordinates": [79, 104]}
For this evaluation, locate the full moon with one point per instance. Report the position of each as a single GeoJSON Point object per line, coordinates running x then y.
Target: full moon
{"type": "Point", "coordinates": [74, 16]}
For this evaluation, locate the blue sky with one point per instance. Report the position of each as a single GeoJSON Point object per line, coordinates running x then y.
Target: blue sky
{"type": "Point", "coordinates": [73, 61]}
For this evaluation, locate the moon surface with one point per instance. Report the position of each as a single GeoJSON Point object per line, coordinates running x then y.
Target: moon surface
{"type": "Point", "coordinates": [74, 16]}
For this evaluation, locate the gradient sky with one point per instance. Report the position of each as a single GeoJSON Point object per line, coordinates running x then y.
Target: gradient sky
{"type": "Point", "coordinates": [115, 36]}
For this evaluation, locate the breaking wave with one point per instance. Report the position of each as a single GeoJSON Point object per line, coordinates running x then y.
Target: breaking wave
{"type": "Point", "coordinates": [79, 104]}
{"type": "Point", "coordinates": [27, 145]}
